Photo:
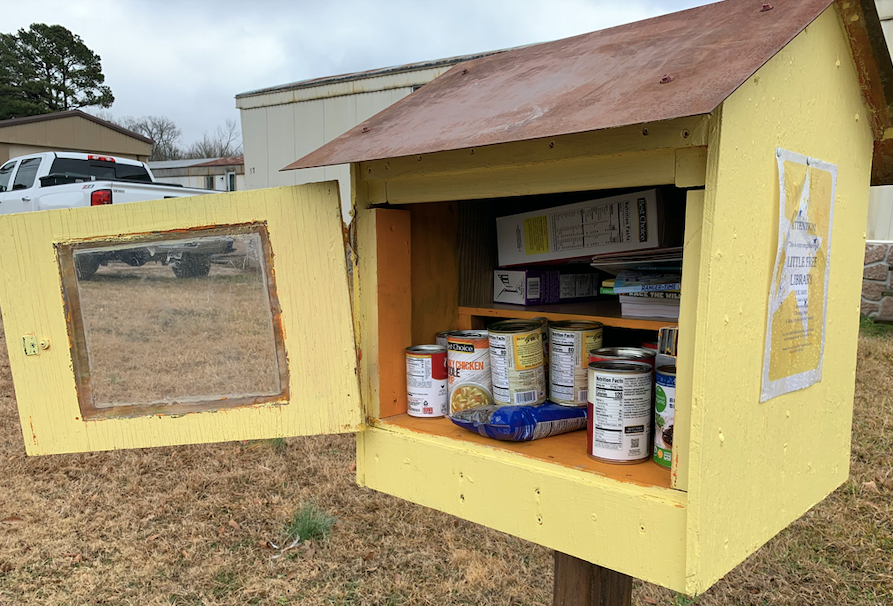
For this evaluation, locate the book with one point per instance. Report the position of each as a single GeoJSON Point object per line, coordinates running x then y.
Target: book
{"type": "Point", "coordinates": [628, 281]}
{"type": "Point", "coordinates": [638, 310]}
{"type": "Point", "coordinates": [661, 294]}
{"type": "Point", "coordinates": [649, 307]}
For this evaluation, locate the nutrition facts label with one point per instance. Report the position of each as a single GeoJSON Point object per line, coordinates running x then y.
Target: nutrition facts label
{"type": "Point", "coordinates": [621, 416]}
{"type": "Point", "coordinates": [568, 372]}
{"type": "Point", "coordinates": [418, 371]}
{"type": "Point", "coordinates": [596, 225]}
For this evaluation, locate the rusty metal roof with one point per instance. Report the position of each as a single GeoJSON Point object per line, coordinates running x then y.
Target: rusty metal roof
{"type": "Point", "coordinates": [604, 79]}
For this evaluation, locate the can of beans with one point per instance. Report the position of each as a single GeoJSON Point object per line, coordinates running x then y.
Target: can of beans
{"type": "Point", "coordinates": [516, 362]}
{"type": "Point", "coordinates": [427, 386]}
{"type": "Point", "coordinates": [664, 415]}
{"type": "Point", "coordinates": [623, 354]}
{"type": "Point", "coordinates": [468, 367]}
{"type": "Point", "coordinates": [441, 338]}
{"type": "Point", "coordinates": [570, 342]}
{"type": "Point", "coordinates": [619, 421]}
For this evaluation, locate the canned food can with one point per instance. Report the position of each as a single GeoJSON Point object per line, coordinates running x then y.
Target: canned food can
{"type": "Point", "coordinates": [468, 367]}
{"type": "Point", "coordinates": [441, 338]}
{"type": "Point", "coordinates": [664, 415]}
{"type": "Point", "coordinates": [427, 386]}
{"type": "Point", "coordinates": [623, 354]}
{"type": "Point", "coordinates": [570, 342]}
{"type": "Point", "coordinates": [544, 323]}
{"type": "Point", "coordinates": [618, 425]}
{"type": "Point", "coordinates": [516, 362]}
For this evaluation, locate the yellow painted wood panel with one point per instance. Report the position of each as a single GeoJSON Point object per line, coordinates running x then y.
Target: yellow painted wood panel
{"type": "Point", "coordinates": [622, 526]}
{"type": "Point", "coordinates": [640, 169]}
{"type": "Point", "coordinates": [691, 166]}
{"type": "Point", "coordinates": [691, 331]}
{"type": "Point", "coordinates": [671, 134]}
{"type": "Point", "coordinates": [304, 225]}
{"type": "Point", "coordinates": [755, 467]}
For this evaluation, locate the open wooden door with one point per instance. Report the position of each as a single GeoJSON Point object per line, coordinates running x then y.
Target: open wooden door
{"type": "Point", "coordinates": [186, 320]}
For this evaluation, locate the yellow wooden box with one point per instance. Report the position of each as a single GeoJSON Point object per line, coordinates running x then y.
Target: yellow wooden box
{"type": "Point", "coordinates": [417, 249]}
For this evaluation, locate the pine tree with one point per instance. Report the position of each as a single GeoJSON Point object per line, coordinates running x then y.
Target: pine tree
{"type": "Point", "coordinates": [46, 69]}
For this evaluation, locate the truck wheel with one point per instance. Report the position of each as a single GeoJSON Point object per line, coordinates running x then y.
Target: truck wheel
{"type": "Point", "coordinates": [86, 266]}
{"type": "Point", "coordinates": [192, 266]}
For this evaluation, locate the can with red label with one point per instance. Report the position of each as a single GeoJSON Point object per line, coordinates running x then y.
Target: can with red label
{"type": "Point", "coordinates": [427, 383]}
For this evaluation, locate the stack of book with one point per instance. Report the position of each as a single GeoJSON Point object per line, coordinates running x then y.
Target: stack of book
{"type": "Point", "coordinates": [646, 294]}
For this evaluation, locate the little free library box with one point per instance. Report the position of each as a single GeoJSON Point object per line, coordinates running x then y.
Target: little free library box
{"type": "Point", "coordinates": [762, 126]}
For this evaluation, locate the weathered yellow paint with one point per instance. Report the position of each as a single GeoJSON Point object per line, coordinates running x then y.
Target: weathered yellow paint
{"type": "Point", "coordinates": [672, 134]}
{"type": "Point", "coordinates": [754, 468]}
{"type": "Point", "coordinates": [690, 331]}
{"type": "Point", "coordinates": [623, 526]}
{"type": "Point", "coordinates": [634, 169]}
{"type": "Point", "coordinates": [691, 167]}
{"type": "Point", "coordinates": [304, 224]}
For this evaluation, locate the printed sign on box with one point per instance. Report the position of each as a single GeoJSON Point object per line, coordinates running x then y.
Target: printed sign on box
{"type": "Point", "coordinates": [798, 296]}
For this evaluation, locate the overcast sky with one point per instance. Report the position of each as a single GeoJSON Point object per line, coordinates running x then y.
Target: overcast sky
{"type": "Point", "coordinates": [187, 60]}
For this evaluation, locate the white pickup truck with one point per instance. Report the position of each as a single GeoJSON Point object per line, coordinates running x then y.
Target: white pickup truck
{"type": "Point", "coordinates": [54, 180]}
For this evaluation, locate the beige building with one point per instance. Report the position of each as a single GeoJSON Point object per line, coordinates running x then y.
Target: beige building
{"type": "Point", "coordinates": [283, 123]}
{"type": "Point", "coordinates": [72, 130]}
{"type": "Point", "coordinates": [218, 174]}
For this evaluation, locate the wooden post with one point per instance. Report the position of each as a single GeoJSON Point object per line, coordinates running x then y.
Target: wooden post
{"type": "Point", "coordinates": [579, 583]}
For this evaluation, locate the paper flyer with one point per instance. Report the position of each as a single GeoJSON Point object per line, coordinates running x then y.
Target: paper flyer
{"type": "Point", "coordinates": [798, 295]}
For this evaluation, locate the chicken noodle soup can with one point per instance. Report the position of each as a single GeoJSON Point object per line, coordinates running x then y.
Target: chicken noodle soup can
{"type": "Point", "coordinates": [664, 415]}
{"type": "Point", "coordinates": [427, 386]}
{"type": "Point", "coordinates": [516, 362]}
{"type": "Point", "coordinates": [619, 421]}
{"type": "Point", "coordinates": [468, 367]}
{"type": "Point", "coordinates": [570, 342]}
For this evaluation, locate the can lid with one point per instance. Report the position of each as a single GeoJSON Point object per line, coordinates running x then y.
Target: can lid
{"type": "Point", "coordinates": [631, 352]}
{"type": "Point", "coordinates": [467, 334]}
{"type": "Point", "coordinates": [621, 367]}
{"type": "Point", "coordinates": [575, 325]}
{"type": "Point", "coordinates": [670, 369]}
{"type": "Point", "coordinates": [514, 326]}
{"type": "Point", "coordinates": [428, 349]}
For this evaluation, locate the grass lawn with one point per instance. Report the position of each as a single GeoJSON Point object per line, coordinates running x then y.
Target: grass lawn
{"type": "Point", "coordinates": [206, 525]}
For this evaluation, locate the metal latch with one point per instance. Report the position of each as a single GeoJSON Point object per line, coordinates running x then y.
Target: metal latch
{"type": "Point", "coordinates": [29, 342]}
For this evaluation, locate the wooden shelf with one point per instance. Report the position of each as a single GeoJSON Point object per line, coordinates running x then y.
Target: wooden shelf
{"type": "Point", "coordinates": [568, 450]}
{"type": "Point", "coordinates": [607, 312]}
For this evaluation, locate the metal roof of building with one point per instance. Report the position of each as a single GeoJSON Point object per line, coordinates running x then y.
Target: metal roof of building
{"type": "Point", "coordinates": [372, 73]}
{"type": "Point", "coordinates": [73, 113]}
{"type": "Point", "coordinates": [677, 65]}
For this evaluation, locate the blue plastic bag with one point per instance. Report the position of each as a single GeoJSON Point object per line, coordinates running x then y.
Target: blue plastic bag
{"type": "Point", "coordinates": [521, 423]}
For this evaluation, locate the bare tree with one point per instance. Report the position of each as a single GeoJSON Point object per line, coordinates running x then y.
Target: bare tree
{"type": "Point", "coordinates": [164, 133]}
{"type": "Point", "coordinates": [226, 142]}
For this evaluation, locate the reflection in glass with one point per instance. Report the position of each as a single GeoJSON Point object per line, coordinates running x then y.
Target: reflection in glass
{"type": "Point", "coordinates": [177, 320]}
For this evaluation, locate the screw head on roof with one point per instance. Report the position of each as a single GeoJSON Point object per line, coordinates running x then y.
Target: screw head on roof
{"type": "Point", "coordinates": [666, 79]}
{"type": "Point", "coordinates": [766, 7]}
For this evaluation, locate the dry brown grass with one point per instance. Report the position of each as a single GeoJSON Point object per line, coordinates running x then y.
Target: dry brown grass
{"type": "Point", "coordinates": [155, 337]}
{"type": "Point", "coordinates": [190, 525]}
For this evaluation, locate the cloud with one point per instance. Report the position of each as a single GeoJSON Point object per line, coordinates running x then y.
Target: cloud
{"type": "Point", "coordinates": [188, 60]}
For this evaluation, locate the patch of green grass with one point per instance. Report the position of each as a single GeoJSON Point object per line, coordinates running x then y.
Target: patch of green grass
{"type": "Point", "coordinates": [309, 523]}
{"type": "Point", "coordinates": [869, 328]}
{"type": "Point", "coordinates": [277, 444]}
{"type": "Point", "coordinates": [225, 583]}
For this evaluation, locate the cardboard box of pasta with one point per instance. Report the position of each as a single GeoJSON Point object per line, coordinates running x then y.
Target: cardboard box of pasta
{"type": "Point", "coordinates": [543, 286]}
{"type": "Point", "coordinates": [633, 221]}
